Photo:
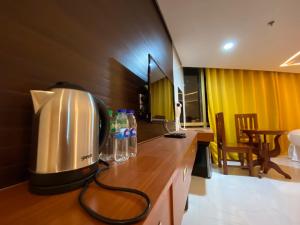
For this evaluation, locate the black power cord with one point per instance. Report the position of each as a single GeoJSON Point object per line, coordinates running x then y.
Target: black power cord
{"type": "Point", "coordinates": [105, 219]}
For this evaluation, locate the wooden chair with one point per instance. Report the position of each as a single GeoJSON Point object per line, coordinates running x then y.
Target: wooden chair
{"type": "Point", "coordinates": [224, 148]}
{"type": "Point", "coordinates": [246, 121]}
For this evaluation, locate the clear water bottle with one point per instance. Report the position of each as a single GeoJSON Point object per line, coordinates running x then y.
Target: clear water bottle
{"type": "Point", "coordinates": [121, 136]}
{"type": "Point", "coordinates": [107, 152]}
{"type": "Point", "coordinates": [132, 140]}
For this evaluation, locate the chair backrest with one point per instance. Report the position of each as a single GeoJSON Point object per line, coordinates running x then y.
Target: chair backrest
{"type": "Point", "coordinates": [246, 122]}
{"type": "Point", "coordinates": [220, 129]}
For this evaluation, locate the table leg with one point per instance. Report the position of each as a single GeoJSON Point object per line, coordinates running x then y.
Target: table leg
{"type": "Point", "coordinates": [278, 169]}
{"type": "Point", "coordinates": [264, 153]}
{"type": "Point", "coordinates": [268, 164]}
{"type": "Point", "coordinates": [263, 158]}
{"type": "Point", "coordinates": [266, 147]}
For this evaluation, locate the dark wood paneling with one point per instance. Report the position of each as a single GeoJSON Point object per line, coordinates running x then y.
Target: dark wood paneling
{"type": "Point", "coordinates": [98, 44]}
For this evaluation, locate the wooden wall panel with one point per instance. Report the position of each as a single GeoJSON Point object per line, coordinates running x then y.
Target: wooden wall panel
{"type": "Point", "coordinates": [98, 44]}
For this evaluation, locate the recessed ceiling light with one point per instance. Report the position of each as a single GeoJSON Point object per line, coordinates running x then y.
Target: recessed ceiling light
{"type": "Point", "coordinates": [291, 61]}
{"type": "Point", "coordinates": [228, 46]}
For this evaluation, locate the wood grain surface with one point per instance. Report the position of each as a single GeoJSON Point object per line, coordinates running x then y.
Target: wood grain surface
{"type": "Point", "coordinates": [101, 45]}
{"type": "Point", "coordinates": [152, 171]}
{"type": "Point", "coordinates": [204, 134]}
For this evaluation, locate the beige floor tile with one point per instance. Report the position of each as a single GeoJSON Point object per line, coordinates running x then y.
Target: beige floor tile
{"type": "Point", "coordinates": [237, 199]}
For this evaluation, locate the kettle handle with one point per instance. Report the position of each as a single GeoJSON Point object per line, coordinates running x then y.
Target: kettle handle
{"type": "Point", "coordinates": [104, 130]}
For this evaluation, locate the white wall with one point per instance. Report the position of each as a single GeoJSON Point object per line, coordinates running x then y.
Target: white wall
{"type": "Point", "coordinates": [178, 80]}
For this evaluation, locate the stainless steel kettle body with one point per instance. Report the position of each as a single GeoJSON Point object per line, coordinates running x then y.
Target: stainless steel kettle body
{"type": "Point", "coordinates": [67, 137]}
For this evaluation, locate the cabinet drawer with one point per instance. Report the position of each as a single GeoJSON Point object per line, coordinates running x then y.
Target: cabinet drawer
{"type": "Point", "coordinates": [181, 183]}
{"type": "Point", "coordinates": [180, 190]}
{"type": "Point", "coordinates": [161, 214]}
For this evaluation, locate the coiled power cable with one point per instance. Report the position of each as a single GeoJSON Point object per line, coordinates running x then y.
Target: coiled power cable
{"type": "Point", "coordinates": [105, 219]}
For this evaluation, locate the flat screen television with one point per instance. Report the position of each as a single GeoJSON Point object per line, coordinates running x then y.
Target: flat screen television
{"type": "Point", "coordinates": [161, 93]}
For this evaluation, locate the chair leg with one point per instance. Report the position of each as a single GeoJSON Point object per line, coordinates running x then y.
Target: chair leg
{"type": "Point", "coordinates": [219, 158]}
{"type": "Point", "coordinates": [242, 159]}
{"type": "Point", "coordinates": [250, 163]}
{"type": "Point", "coordinates": [225, 169]}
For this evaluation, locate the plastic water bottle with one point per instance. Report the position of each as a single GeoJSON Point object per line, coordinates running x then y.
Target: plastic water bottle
{"type": "Point", "coordinates": [121, 136]}
{"type": "Point", "coordinates": [132, 141]}
{"type": "Point", "coordinates": [107, 152]}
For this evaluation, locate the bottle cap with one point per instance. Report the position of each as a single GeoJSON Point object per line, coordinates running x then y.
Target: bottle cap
{"type": "Point", "coordinates": [130, 111]}
{"type": "Point", "coordinates": [121, 110]}
{"type": "Point", "coordinates": [110, 112]}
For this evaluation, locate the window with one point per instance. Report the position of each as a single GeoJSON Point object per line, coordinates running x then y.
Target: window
{"type": "Point", "coordinates": [195, 97]}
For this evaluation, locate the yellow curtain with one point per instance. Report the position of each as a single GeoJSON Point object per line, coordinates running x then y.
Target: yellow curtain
{"type": "Point", "coordinates": [272, 95]}
{"type": "Point", "coordinates": [288, 85]}
{"type": "Point", "coordinates": [162, 99]}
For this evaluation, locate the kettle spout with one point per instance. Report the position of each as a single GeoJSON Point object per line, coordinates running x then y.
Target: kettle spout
{"type": "Point", "coordinates": [39, 98]}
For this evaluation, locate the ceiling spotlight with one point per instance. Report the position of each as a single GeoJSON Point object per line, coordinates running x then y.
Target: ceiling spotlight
{"type": "Point", "coordinates": [228, 46]}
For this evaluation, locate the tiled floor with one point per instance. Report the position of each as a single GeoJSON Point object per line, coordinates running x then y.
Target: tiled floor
{"type": "Point", "coordinates": [238, 199]}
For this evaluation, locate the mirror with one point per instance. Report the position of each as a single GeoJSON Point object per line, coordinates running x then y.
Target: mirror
{"type": "Point", "coordinates": [161, 92]}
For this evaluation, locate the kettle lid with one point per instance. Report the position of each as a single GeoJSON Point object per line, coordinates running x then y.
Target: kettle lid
{"type": "Point", "coordinates": [64, 84]}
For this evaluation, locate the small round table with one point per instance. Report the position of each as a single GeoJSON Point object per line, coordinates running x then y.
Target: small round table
{"type": "Point", "coordinates": [265, 154]}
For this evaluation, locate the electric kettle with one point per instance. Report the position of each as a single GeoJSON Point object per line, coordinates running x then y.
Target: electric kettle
{"type": "Point", "coordinates": [70, 126]}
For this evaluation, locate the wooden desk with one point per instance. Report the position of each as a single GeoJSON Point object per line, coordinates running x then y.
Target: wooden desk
{"type": "Point", "coordinates": [202, 165]}
{"type": "Point", "coordinates": [204, 134]}
{"type": "Point", "coordinates": [162, 169]}
{"type": "Point", "coordinates": [265, 154]}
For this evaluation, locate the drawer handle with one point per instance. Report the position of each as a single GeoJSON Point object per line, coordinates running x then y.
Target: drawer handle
{"type": "Point", "coordinates": [185, 170]}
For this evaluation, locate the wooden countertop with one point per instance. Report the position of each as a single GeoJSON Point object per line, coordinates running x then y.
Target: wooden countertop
{"type": "Point", "coordinates": [204, 134]}
{"type": "Point", "coordinates": [151, 171]}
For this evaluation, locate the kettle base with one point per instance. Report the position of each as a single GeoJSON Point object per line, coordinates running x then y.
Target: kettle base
{"type": "Point", "coordinates": [55, 183]}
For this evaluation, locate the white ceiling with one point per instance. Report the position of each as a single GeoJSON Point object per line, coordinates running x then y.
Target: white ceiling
{"type": "Point", "coordinates": [199, 28]}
